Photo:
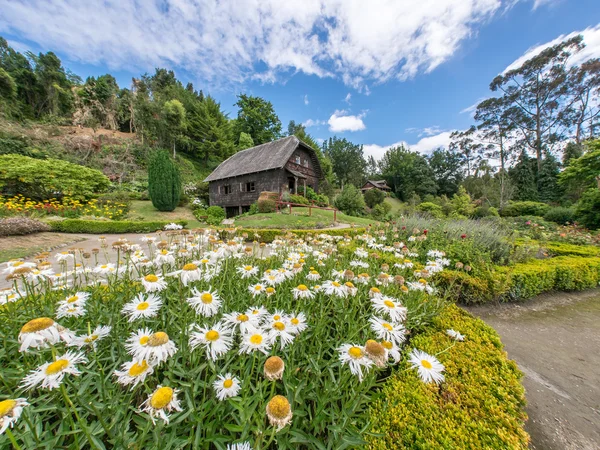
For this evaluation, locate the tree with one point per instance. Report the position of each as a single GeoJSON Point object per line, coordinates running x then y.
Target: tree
{"type": "Point", "coordinates": [536, 95]}
{"type": "Point", "coordinates": [374, 197]}
{"type": "Point", "coordinates": [299, 130]}
{"type": "Point", "coordinates": [466, 144]}
{"type": "Point", "coordinates": [408, 173]}
{"type": "Point", "coordinates": [210, 130]}
{"type": "Point", "coordinates": [348, 163]}
{"type": "Point", "coordinates": [164, 183]}
{"type": "Point", "coordinates": [572, 151]}
{"type": "Point", "coordinates": [245, 141]}
{"type": "Point", "coordinates": [582, 173]}
{"type": "Point", "coordinates": [350, 201]}
{"type": "Point", "coordinates": [584, 87]}
{"type": "Point", "coordinates": [447, 170]}
{"type": "Point", "coordinates": [548, 188]}
{"type": "Point", "coordinates": [523, 176]}
{"type": "Point", "coordinates": [174, 121]}
{"type": "Point", "coordinates": [256, 117]}
{"type": "Point", "coordinates": [372, 167]}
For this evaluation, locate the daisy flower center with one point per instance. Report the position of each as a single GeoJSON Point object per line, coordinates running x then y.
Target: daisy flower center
{"type": "Point", "coordinates": [104, 266]}
{"type": "Point", "coordinates": [212, 335]}
{"type": "Point", "coordinates": [6, 407]}
{"type": "Point", "coordinates": [270, 290]}
{"type": "Point", "coordinates": [204, 261]}
{"type": "Point", "coordinates": [158, 338]}
{"type": "Point", "coordinates": [242, 318]}
{"type": "Point", "coordinates": [151, 278]}
{"type": "Point", "coordinates": [91, 338]}
{"type": "Point", "coordinates": [387, 344]}
{"type": "Point", "coordinates": [277, 317]}
{"type": "Point", "coordinates": [279, 407]}
{"type": "Point", "coordinates": [142, 306]}
{"type": "Point", "coordinates": [258, 287]}
{"type": "Point", "coordinates": [72, 299]}
{"type": "Point", "coordinates": [355, 352]}
{"type": "Point", "coordinates": [248, 268]}
{"type": "Point", "coordinates": [348, 284]}
{"type": "Point", "coordinates": [227, 383]}
{"type": "Point", "coordinates": [375, 290]}
{"type": "Point", "coordinates": [389, 304]}
{"type": "Point", "coordinates": [336, 284]}
{"type": "Point", "coordinates": [190, 267]}
{"type": "Point", "coordinates": [37, 325]}
{"type": "Point", "coordinates": [302, 287]}
{"type": "Point", "coordinates": [161, 398]}
{"type": "Point", "coordinates": [274, 364]}
{"type": "Point", "coordinates": [255, 311]}
{"type": "Point", "coordinates": [57, 366]}
{"type": "Point", "coordinates": [137, 369]}
{"type": "Point", "coordinates": [256, 339]}
{"type": "Point", "coordinates": [422, 281]}
{"type": "Point", "coordinates": [17, 264]}
{"type": "Point", "coordinates": [164, 251]}
{"type": "Point", "coordinates": [426, 364]}
{"type": "Point", "coordinates": [144, 340]}
{"type": "Point", "coordinates": [279, 326]}
{"type": "Point", "coordinates": [387, 326]}
{"type": "Point", "coordinates": [295, 321]}
{"type": "Point", "coordinates": [206, 298]}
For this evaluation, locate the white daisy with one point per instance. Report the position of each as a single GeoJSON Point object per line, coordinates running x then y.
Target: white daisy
{"type": "Point", "coordinates": [226, 386]}
{"type": "Point", "coordinates": [190, 272]}
{"type": "Point", "coordinates": [392, 350]}
{"type": "Point", "coordinates": [10, 411]}
{"type": "Point", "coordinates": [160, 402]}
{"type": "Point", "coordinates": [298, 323]}
{"type": "Point", "coordinates": [334, 288]}
{"type": "Point", "coordinates": [388, 330]}
{"type": "Point", "coordinates": [11, 266]}
{"type": "Point", "coordinates": [164, 257]}
{"type": "Point", "coordinates": [282, 330]}
{"type": "Point", "coordinates": [356, 358]}
{"type": "Point", "coordinates": [256, 340]}
{"type": "Point", "coordinates": [133, 372]}
{"type": "Point", "coordinates": [302, 291]}
{"type": "Point", "coordinates": [455, 335]}
{"type": "Point", "coordinates": [257, 312]}
{"type": "Point", "coordinates": [142, 307]}
{"type": "Point", "coordinates": [70, 311]}
{"type": "Point", "coordinates": [256, 289]}
{"type": "Point", "coordinates": [430, 369]}
{"type": "Point", "coordinates": [313, 275]}
{"type": "Point", "coordinates": [42, 333]}
{"type": "Point", "coordinates": [152, 347]}
{"type": "Point", "coordinates": [77, 299]}
{"type": "Point", "coordinates": [50, 375]}
{"type": "Point", "coordinates": [153, 283]}
{"type": "Point", "coordinates": [390, 306]}
{"type": "Point", "coordinates": [239, 446]}
{"type": "Point", "coordinates": [206, 303]}
{"type": "Point", "coordinates": [100, 332]}
{"type": "Point", "coordinates": [105, 269]}
{"type": "Point", "coordinates": [217, 340]}
{"type": "Point", "coordinates": [247, 271]}
{"type": "Point", "coordinates": [244, 321]}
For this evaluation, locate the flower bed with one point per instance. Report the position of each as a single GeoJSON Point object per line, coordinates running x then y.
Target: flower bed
{"type": "Point", "coordinates": [198, 341]}
{"type": "Point", "coordinates": [66, 207]}
{"type": "Point", "coordinates": [109, 227]}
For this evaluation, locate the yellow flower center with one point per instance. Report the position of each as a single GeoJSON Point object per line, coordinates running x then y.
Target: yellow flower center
{"type": "Point", "coordinates": [90, 339]}
{"type": "Point", "coordinates": [164, 251]}
{"type": "Point", "coordinates": [279, 407]}
{"type": "Point", "coordinates": [206, 298]}
{"type": "Point", "coordinates": [72, 299]}
{"type": "Point", "coordinates": [151, 278]}
{"type": "Point", "coordinates": [18, 263]}
{"type": "Point", "coordinates": [387, 344]}
{"type": "Point", "coordinates": [270, 290]}
{"type": "Point", "coordinates": [227, 383]}
{"type": "Point", "coordinates": [37, 325]}
{"type": "Point", "coordinates": [248, 268]}
{"type": "Point", "coordinates": [57, 366]}
{"type": "Point", "coordinates": [276, 317]}
{"type": "Point", "coordinates": [258, 287]}
{"type": "Point", "coordinates": [302, 287]}
{"type": "Point", "coordinates": [375, 290]}
{"type": "Point", "coordinates": [389, 304]}
{"type": "Point", "coordinates": [144, 340]}
{"type": "Point", "coordinates": [204, 261]}
{"type": "Point", "coordinates": [256, 339]}
{"type": "Point", "coordinates": [212, 335]}
{"type": "Point", "coordinates": [374, 349]}
{"type": "Point", "coordinates": [158, 338]}
{"type": "Point", "coordinates": [355, 352]}
{"type": "Point", "coordinates": [190, 267]}
{"type": "Point", "coordinates": [142, 306]}
{"type": "Point", "coordinates": [423, 281]}
{"type": "Point", "coordinates": [104, 266]}
{"type": "Point", "coordinates": [161, 397]}
{"type": "Point", "coordinates": [404, 289]}
{"type": "Point", "coordinates": [314, 272]}
{"type": "Point", "coordinates": [6, 407]}
{"type": "Point", "coordinates": [274, 364]}
{"type": "Point", "coordinates": [242, 318]}
{"type": "Point", "coordinates": [387, 326]}
{"type": "Point", "coordinates": [426, 364]}
{"type": "Point", "coordinates": [336, 284]}
{"type": "Point", "coordinates": [279, 326]}
{"type": "Point", "coordinates": [348, 284]}
{"type": "Point", "coordinates": [138, 369]}
{"type": "Point", "coordinates": [295, 321]}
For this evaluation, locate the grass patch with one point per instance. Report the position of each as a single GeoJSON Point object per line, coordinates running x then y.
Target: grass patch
{"type": "Point", "coordinates": [299, 219]}
{"type": "Point", "coordinates": [15, 247]}
{"type": "Point", "coordinates": [395, 204]}
{"type": "Point", "coordinates": [144, 211]}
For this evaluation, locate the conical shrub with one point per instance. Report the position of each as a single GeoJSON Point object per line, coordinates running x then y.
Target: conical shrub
{"type": "Point", "coordinates": [164, 183]}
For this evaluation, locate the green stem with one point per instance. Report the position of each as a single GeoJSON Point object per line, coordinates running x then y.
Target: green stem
{"type": "Point", "coordinates": [12, 439]}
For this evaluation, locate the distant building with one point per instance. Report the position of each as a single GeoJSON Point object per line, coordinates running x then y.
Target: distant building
{"type": "Point", "coordinates": [285, 165]}
{"type": "Point", "coordinates": [381, 185]}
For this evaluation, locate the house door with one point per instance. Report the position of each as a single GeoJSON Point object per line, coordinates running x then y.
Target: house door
{"type": "Point", "coordinates": [292, 185]}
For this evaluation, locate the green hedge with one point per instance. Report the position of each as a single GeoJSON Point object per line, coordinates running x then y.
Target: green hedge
{"type": "Point", "coordinates": [479, 406]}
{"type": "Point", "coordinates": [109, 227]}
{"type": "Point", "coordinates": [523, 281]}
{"type": "Point", "coordinates": [268, 234]}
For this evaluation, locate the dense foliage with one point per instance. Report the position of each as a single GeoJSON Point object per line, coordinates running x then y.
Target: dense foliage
{"type": "Point", "coordinates": [164, 183]}
{"type": "Point", "coordinates": [350, 201]}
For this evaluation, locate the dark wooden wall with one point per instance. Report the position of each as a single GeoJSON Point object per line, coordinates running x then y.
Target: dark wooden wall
{"type": "Point", "coordinates": [311, 177]}
{"type": "Point", "coordinates": [269, 180]}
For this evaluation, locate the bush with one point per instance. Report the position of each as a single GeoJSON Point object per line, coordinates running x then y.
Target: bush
{"type": "Point", "coordinates": [431, 208]}
{"type": "Point", "coordinates": [109, 227]}
{"type": "Point", "coordinates": [164, 183]}
{"type": "Point", "coordinates": [253, 209]}
{"type": "Point", "coordinates": [17, 226]}
{"type": "Point", "coordinates": [269, 234]}
{"type": "Point", "coordinates": [215, 214]}
{"type": "Point", "coordinates": [381, 210]}
{"type": "Point", "coordinates": [514, 209]}
{"type": "Point", "coordinates": [298, 199]}
{"type": "Point", "coordinates": [481, 405]}
{"type": "Point", "coordinates": [374, 197]}
{"type": "Point", "coordinates": [49, 178]}
{"type": "Point", "coordinates": [319, 199]}
{"type": "Point", "coordinates": [560, 215]}
{"type": "Point", "coordinates": [266, 205]}
{"type": "Point", "coordinates": [588, 209]}
{"type": "Point", "coordinates": [350, 201]}
{"type": "Point", "coordinates": [485, 211]}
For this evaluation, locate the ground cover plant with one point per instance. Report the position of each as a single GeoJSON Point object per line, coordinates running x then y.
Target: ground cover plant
{"type": "Point", "coordinates": [65, 207]}
{"type": "Point", "coordinates": [198, 339]}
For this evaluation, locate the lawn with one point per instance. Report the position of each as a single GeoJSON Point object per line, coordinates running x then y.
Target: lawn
{"type": "Point", "coordinates": [299, 219]}
{"type": "Point", "coordinates": [15, 247]}
{"type": "Point", "coordinates": [394, 203]}
{"type": "Point", "coordinates": [143, 211]}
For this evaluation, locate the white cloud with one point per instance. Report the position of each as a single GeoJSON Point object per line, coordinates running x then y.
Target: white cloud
{"type": "Point", "coordinates": [591, 38]}
{"type": "Point", "coordinates": [427, 131]}
{"type": "Point", "coordinates": [313, 123]}
{"type": "Point", "coordinates": [348, 97]}
{"type": "Point", "coordinates": [340, 121]}
{"type": "Point", "coordinates": [224, 42]}
{"type": "Point", "coordinates": [306, 99]}
{"type": "Point", "coordinates": [424, 146]}
{"type": "Point", "coordinates": [538, 3]}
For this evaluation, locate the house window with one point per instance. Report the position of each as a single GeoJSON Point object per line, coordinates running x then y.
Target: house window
{"type": "Point", "coordinates": [250, 186]}
{"type": "Point", "coordinates": [306, 163]}
{"type": "Point", "coordinates": [297, 159]}
{"type": "Point", "coordinates": [227, 189]}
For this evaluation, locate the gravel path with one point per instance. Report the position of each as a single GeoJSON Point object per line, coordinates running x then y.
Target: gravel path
{"type": "Point", "coordinates": [555, 340]}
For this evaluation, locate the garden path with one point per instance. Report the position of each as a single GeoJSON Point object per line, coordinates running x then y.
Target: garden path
{"type": "Point", "coordinates": [555, 340]}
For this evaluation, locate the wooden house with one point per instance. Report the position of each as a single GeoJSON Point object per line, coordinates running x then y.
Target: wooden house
{"type": "Point", "coordinates": [286, 165]}
{"type": "Point", "coordinates": [381, 185]}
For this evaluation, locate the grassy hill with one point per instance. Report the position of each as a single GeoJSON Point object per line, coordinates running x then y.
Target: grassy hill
{"type": "Point", "coordinates": [299, 219]}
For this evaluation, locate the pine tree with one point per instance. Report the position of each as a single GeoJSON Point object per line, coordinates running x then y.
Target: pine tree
{"type": "Point", "coordinates": [164, 183]}
{"type": "Point", "coordinates": [524, 179]}
{"type": "Point", "coordinates": [548, 188]}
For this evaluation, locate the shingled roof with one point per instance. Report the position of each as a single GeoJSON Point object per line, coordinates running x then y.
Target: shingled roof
{"type": "Point", "coordinates": [272, 155]}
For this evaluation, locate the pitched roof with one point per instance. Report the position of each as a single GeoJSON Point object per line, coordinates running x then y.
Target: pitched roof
{"type": "Point", "coordinates": [381, 184]}
{"type": "Point", "coordinates": [272, 155]}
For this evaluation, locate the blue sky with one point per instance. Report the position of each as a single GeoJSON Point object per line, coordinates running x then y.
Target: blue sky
{"type": "Point", "coordinates": [378, 72]}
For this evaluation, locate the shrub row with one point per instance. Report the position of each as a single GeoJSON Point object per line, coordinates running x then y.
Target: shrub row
{"type": "Point", "coordinates": [268, 235]}
{"type": "Point", "coordinates": [109, 227]}
{"type": "Point", "coordinates": [480, 405]}
{"type": "Point", "coordinates": [523, 281]}
{"type": "Point", "coordinates": [17, 226]}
